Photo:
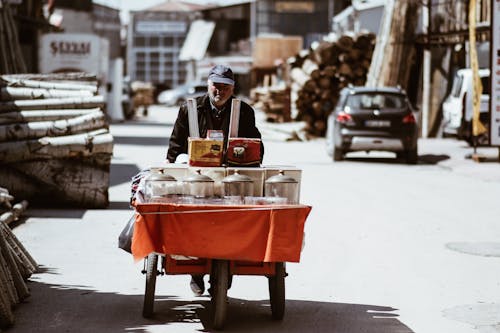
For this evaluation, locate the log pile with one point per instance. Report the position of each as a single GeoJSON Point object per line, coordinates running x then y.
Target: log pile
{"type": "Point", "coordinates": [11, 56]}
{"type": "Point", "coordinates": [319, 73]}
{"type": "Point", "coordinates": [55, 145]}
{"type": "Point", "coordinates": [273, 99]}
{"type": "Point", "coordinates": [16, 264]}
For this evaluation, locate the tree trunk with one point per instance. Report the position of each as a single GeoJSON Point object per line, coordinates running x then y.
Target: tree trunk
{"type": "Point", "coordinates": [56, 128]}
{"type": "Point", "coordinates": [13, 93]}
{"type": "Point", "coordinates": [58, 182]}
{"type": "Point", "coordinates": [53, 103]}
{"type": "Point", "coordinates": [42, 115]}
{"type": "Point", "coordinates": [79, 145]}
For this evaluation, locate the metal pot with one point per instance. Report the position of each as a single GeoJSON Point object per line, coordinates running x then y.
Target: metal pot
{"type": "Point", "coordinates": [282, 186]}
{"type": "Point", "coordinates": [199, 185]}
{"type": "Point", "coordinates": [237, 185]}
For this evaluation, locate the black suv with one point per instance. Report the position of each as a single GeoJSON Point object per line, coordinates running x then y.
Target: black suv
{"type": "Point", "coordinates": [367, 119]}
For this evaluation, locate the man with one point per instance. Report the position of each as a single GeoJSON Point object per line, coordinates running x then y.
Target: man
{"type": "Point", "coordinates": [214, 113]}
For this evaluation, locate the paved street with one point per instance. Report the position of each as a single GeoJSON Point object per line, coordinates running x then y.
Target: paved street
{"type": "Point", "coordinates": [389, 247]}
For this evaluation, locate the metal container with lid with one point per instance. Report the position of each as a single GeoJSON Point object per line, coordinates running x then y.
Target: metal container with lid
{"type": "Point", "coordinates": [282, 186]}
{"type": "Point", "coordinates": [198, 185]}
{"type": "Point", "coordinates": [160, 184]}
{"type": "Point", "coordinates": [237, 184]}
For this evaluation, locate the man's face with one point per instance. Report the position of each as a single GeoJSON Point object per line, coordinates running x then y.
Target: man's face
{"type": "Point", "coordinates": [219, 92]}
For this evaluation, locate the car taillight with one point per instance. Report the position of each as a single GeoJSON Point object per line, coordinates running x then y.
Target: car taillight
{"type": "Point", "coordinates": [343, 117]}
{"type": "Point", "coordinates": [409, 119]}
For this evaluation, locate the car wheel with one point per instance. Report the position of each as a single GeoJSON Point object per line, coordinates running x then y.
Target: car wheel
{"type": "Point", "coordinates": [338, 154]}
{"type": "Point", "coordinates": [412, 156]}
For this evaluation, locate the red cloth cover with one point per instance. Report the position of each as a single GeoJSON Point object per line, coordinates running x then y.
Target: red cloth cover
{"type": "Point", "coordinates": [253, 233]}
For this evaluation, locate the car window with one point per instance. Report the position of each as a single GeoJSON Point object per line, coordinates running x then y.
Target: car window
{"type": "Point", "coordinates": [485, 81]}
{"type": "Point", "coordinates": [375, 101]}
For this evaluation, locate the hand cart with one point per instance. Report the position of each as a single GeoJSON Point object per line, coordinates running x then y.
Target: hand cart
{"type": "Point", "coordinates": [221, 241]}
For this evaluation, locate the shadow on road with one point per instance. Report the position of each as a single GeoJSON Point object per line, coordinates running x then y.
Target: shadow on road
{"type": "Point", "coordinates": [122, 173]}
{"type": "Point", "coordinates": [142, 141]}
{"type": "Point", "coordinates": [427, 159]}
{"type": "Point", "coordinates": [59, 308]}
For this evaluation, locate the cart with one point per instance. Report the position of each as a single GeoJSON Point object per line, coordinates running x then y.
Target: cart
{"type": "Point", "coordinates": [221, 241]}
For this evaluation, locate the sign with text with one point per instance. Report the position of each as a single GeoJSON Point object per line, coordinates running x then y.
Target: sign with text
{"type": "Point", "coordinates": [61, 52]}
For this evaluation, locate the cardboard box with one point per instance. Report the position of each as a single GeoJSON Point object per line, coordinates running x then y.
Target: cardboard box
{"type": "Point", "coordinates": [269, 48]}
{"type": "Point", "coordinates": [205, 152]}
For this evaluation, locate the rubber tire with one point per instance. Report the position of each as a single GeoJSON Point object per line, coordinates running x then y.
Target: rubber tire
{"type": "Point", "coordinates": [149, 294]}
{"type": "Point", "coordinates": [277, 292]}
{"type": "Point", "coordinates": [412, 156]}
{"type": "Point", "coordinates": [219, 295]}
{"type": "Point", "coordinates": [338, 154]}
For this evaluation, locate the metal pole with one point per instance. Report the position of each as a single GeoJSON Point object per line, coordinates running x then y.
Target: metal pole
{"type": "Point", "coordinates": [426, 72]}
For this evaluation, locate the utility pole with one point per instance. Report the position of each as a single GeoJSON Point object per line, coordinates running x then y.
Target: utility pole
{"type": "Point", "coordinates": [426, 70]}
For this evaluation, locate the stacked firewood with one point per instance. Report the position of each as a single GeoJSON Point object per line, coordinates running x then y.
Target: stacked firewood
{"type": "Point", "coordinates": [274, 100]}
{"type": "Point", "coordinates": [319, 73]}
{"type": "Point", "coordinates": [55, 145]}
{"type": "Point", "coordinates": [16, 264]}
{"type": "Point", "coordinates": [11, 56]}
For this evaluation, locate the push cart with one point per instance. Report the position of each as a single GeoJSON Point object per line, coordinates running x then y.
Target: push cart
{"type": "Point", "coordinates": [221, 241]}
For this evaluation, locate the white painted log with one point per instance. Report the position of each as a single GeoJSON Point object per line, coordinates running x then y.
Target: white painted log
{"type": "Point", "coordinates": [14, 93]}
{"type": "Point", "coordinates": [53, 103]}
{"type": "Point", "coordinates": [78, 145]}
{"type": "Point", "coordinates": [39, 129]}
{"type": "Point", "coordinates": [42, 115]}
{"type": "Point", "coordinates": [48, 84]}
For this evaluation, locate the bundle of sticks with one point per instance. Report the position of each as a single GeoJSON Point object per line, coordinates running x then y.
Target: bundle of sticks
{"type": "Point", "coordinates": [16, 264]}
{"type": "Point", "coordinates": [319, 73]}
{"type": "Point", "coordinates": [11, 56]}
{"type": "Point", "coordinates": [55, 145]}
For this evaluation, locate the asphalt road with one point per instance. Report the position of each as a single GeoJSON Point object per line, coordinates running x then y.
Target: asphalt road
{"type": "Point", "coordinates": [389, 247]}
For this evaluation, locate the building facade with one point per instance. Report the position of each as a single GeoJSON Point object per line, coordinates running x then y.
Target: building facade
{"type": "Point", "coordinates": [154, 40]}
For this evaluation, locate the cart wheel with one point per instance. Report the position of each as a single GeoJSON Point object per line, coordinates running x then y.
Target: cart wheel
{"type": "Point", "coordinates": [219, 282]}
{"type": "Point", "coordinates": [149, 295]}
{"type": "Point", "coordinates": [277, 292]}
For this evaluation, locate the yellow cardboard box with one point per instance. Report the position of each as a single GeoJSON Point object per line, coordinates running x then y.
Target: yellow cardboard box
{"type": "Point", "coordinates": [205, 152]}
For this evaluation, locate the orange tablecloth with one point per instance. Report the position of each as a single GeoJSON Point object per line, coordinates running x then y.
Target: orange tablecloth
{"type": "Point", "coordinates": [254, 233]}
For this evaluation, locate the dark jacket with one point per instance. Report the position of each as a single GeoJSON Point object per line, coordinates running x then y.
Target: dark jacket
{"type": "Point", "coordinates": [180, 133]}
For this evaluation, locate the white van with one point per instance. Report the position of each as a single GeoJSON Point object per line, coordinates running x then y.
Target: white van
{"type": "Point", "coordinates": [457, 107]}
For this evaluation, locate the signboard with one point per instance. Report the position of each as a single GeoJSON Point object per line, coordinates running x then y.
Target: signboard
{"type": "Point", "coordinates": [294, 6]}
{"type": "Point", "coordinates": [197, 40]}
{"type": "Point", "coordinates": [495, 74]}
{"type": "Point", "coordinates": [61, 52]}
{"type": "Point", "coordinates": [170, 27]}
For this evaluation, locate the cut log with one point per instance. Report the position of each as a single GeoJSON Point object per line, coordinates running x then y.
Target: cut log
{"type": "Point", "coordinates": [41, 129]}
{"type": "Point", "coordinates": [14, 93]}
{"type": "Point", "coordinates": [53, 103]}
{"type": "Point", "coordinates": [48, 85]}
{"type": "Point", "coordinates": [75, 77]}
{"type": "Point", "coordinates": [42, 115]}
{"type": "Point", "coordinates": [79, 145]}
{"type": "Point", "coordinates": [59, 183]}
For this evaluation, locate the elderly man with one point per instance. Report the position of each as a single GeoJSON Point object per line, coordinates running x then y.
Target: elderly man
{"type": "Point", "coordinates": [214, 113]}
